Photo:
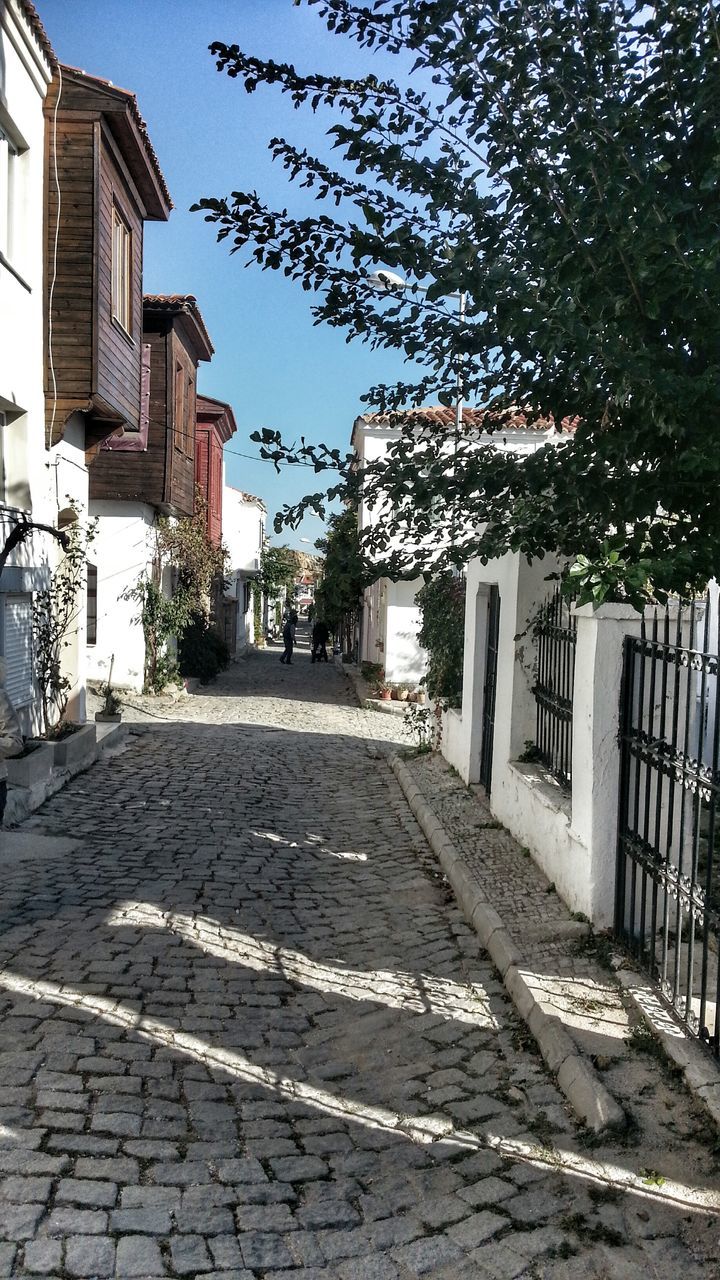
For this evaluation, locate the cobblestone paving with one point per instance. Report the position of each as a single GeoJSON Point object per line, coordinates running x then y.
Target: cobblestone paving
{"type": "Point", "coordinates": [245, 1032]}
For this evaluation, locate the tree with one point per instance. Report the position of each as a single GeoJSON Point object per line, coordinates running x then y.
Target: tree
{"type": "Point", "coordinates": [559, 163]}
{"type": "Point", "coordinates": [278, 572]}
{"type": "Point", "coordinates": [338, 594]}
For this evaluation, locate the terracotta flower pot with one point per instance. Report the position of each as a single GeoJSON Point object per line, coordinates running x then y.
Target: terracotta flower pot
{"type": "Point", "coordinates": [386, 695]}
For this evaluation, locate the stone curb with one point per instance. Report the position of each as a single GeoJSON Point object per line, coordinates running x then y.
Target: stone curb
{"type": "Point", "coordinates": [701, 1075]}
{"type": "Point", "coordinates": [576, 1077]}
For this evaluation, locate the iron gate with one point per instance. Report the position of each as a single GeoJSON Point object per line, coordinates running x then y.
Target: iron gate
{"type": "Point", "coordinates": [555, 632]}
{"type": "Point", "coordinates": [667, 907]}
{"type": "Point", "coordinates": [488, 718]}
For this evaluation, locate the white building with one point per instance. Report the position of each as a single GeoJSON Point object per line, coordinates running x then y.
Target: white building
{"type": "Point", "coordinates": [391, 619]}
{"type": "Point", "coordinates": [244, 518]}
{"type": "Point", "coordinates": [33, 481]}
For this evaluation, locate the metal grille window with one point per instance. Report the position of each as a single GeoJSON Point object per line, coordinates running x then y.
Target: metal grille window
{"type": "Point", "coordinates": [667, 906]}
{"type": "Point", "coordinates": [17, 641]}
{"type": "Point", "coordinates": [555, 631]}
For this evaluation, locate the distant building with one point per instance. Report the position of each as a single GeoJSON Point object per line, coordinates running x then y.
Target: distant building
{"type": "Point", "coordinates": [244, 518]}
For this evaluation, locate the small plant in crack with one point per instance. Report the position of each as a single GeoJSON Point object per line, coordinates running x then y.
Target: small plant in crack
{"type": "Point", "coordinates": [598, 947]}
{"type": "Point", "coordinates": [651, 1178]}
{"type": "Point", "coordinates": [644, 1040]}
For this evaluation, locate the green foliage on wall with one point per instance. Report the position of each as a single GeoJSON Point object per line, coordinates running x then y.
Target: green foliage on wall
{"type": "Point", "coordinates": [442, 634]}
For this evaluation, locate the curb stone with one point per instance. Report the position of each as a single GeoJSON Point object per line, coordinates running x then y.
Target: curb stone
{"type": "Point", "coordinates": [577, 1079]}
{"type": "Point", "coordinates": [701, 1075]}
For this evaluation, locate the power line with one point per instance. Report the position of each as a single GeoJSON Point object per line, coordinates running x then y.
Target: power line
{"type": "Point", "coordinates": [254, 458]}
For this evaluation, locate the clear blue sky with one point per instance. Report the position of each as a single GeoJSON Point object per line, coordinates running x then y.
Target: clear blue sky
{"type": "Point", "coordinates": [211, 137]}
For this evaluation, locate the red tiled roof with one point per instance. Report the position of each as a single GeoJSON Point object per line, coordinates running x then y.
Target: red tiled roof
{"type": "Point", "coordinates": [132, 103]}
{"type": "Point", "coordinates": [444, 416]}
{"type": "Point", "coordinates": [175, 304]}
{"type": "Point", "coordinates": [33, 20]}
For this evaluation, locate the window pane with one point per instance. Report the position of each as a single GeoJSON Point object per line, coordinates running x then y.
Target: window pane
{"type": "Point", "coordinates": [121, 264]}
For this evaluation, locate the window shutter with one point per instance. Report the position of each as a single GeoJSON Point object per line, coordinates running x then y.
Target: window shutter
{"type": "Point", "coordinates": [19, 650]}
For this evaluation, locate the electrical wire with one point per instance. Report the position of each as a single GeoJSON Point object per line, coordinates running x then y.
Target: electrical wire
{"type": "Point", "coordinates": [254, 458]}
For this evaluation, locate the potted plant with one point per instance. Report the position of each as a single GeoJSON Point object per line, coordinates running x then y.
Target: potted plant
{"type": "Point", "coordinates": [384, 692]}
{"type": "Point", "coordinates": [111, 710]}
{"type": "Point", "coordinates": [403, 692]}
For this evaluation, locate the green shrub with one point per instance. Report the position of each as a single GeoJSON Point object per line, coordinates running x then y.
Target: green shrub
{"type": "Point", "coordinates": [201, 652]}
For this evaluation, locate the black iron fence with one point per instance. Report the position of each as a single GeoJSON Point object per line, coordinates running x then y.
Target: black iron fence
{"type": "Point", "coordinates": [667, 908]}
{"type": "Point", "coordinates": [555, 631]}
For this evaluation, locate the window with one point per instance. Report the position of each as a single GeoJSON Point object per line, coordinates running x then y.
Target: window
{"type": "Point", "coordinates": [184, 434]}
{"type": "Point", "coordinates": [8, 193]}
{"type": "Point", "coordinates": [189, 435]}
{"type": "Point", "coordinates": [121, 271]}
{"type": "Point", "coordinates": [92, 604]}
{"type": "Point", "coordinates": [14, 469]}
{"type": "Point", "coordinates": [180, 408]}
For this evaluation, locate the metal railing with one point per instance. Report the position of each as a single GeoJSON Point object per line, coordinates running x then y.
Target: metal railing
{"type": "Point", "coordinates": [555, 631]}
{"type": "Point", "coordinates": [667, 907]}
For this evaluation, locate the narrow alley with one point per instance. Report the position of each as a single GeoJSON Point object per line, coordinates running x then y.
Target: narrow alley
{"type": "Point", "coordinates": [245, 1031]}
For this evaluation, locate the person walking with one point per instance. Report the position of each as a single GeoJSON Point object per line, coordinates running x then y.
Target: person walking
{"type": "Point", "coordinates": [289, 637]}
{"type": "Point", "coordinates": [320, 637]}
{"type": "Point", "coordinates": [11, 739]}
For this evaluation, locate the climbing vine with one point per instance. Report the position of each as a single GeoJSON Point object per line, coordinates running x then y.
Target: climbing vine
{"type": "Point", "coordinates": [199, 568]}
{"type": "Point", "coordinates": [54, 613]}
{"type": "Point", "coordinates": [442, 605]}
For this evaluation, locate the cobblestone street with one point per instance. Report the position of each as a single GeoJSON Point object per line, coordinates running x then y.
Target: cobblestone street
{"type": "Point", "coordinates": [246, 1033]}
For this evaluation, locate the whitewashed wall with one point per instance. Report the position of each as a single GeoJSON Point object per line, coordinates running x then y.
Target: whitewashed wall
{"type": "Point", "coordinates": [122, 553]}
{"type": "Point", "coordinates": [572, 836]}
{"type": "Point", "coordinates": [26, 480]}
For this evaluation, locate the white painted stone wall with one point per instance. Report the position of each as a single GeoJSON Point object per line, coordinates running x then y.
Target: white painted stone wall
{"type": "Point", "coordinates": [123, 553]}
{"type": "Point", "coordinates": [571, 836]}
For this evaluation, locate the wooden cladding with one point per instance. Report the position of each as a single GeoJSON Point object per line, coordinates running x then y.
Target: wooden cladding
{"type": "Point", "coordinates": [94, 247]}
{"type": "Point", "coordinates": [161, 474]}
{"type": "Point", "coordinates": [209, 475]}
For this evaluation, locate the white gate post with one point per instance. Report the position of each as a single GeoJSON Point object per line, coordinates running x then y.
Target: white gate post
{"type": "Point", "coordinates": [596, 754]}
